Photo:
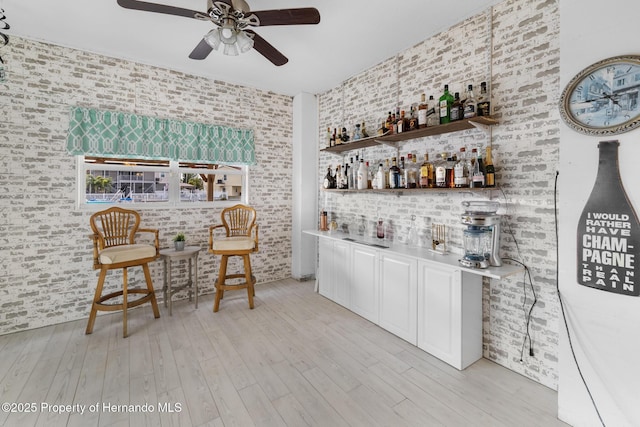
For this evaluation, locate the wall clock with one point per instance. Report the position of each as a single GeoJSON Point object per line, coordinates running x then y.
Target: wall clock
{"type": "Point", "coordinates": [603, 99]}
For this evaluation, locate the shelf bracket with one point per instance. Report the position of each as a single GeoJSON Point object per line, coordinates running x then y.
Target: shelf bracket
{"type": "Point", "coordinates": [481, 126]}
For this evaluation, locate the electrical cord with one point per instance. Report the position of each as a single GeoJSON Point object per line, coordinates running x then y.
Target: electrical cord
{"type": "Point", "coordinates": [564, 315]}
{"type": "Point", "coordinates": [527, 274]}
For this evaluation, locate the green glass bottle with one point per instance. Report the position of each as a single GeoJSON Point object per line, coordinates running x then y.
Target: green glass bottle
{"type": "Point", "coordinates": [445, 102]}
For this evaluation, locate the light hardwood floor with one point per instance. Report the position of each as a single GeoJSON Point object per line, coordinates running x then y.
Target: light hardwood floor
{"type": "Point", "coordinates": [297, 359]}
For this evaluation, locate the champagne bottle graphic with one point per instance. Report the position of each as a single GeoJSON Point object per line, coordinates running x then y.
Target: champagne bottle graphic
{"type": "Point", "coordinates": [608, 231]}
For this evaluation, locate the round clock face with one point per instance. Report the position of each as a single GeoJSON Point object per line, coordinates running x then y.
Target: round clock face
{"type": "Point", "coordinates": [603, 99]}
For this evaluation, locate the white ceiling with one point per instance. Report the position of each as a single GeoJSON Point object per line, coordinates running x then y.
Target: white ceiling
{"type": "Point", "coordinates": [352, 36]}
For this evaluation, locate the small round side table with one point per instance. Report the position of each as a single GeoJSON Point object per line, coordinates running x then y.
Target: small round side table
{"type": "Point", "coordinates": [168, 255]}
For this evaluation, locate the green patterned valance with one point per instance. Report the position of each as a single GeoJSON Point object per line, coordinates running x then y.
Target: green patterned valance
{"type": "Point", "coordinates": [115, 134]}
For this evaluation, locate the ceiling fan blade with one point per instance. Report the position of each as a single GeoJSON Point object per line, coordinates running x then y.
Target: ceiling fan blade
{"type": "Point", "coordinates": [265, 49]}
{"type": "Point", "coordinates": [301, 16]}
{"type": "Point", "coordinates": [201, 51]}
{"type": "Point", "coordinates": [161, 8]}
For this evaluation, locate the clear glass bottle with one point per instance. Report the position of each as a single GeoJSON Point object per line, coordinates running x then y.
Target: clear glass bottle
{"type": "Point", "coordinates": [456, 108]}
{"type": "Point", "coordinates": [422, 111]}
{"type": "Point", "coordinates": [460, 171]}
{"type": "Point", "coordinates": [484, 104]}
{"type": "Point", "coordinates": [386, 170]}
{"type": "Point", "coordinates": [477, 180]}
{"type": "Point", "coordinates": [427, 176]}
{"type": "Point", "coordinates": [414, 172]}
{"type": "Point", "coordinates": [470, 103]}
{"type": "Point", "coordinates": [441, 170]}
{"type": "Point", "coordinates": [433, 118]}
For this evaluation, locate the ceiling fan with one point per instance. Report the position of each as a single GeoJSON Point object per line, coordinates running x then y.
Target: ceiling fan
{"type": "Point", "coordinates": [233, 19]}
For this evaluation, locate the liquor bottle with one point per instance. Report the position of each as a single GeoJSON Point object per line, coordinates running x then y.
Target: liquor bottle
{"type": "Point", "coordinates": [413, 119]}
{"type": "Point", "coordinates": [362, 176]}
{"type": "Point", "coordinates": [451, 163]}
{"type": "Point", "coordinates": [414, 172]}
{"type": "Point", "coordinates": [338, 177]}
{"type": "Point", "coordinates": [406, 171]}
{"type": "Point", "coordinates": [329, 180]}
{"type": "Point", "coordinates": [441, 170]}
{"type": "Point", "coordinates": [470, 103]}
{"type": "Point", "coordinates": [460, 171]}
{"type": "Point", "coordinates": [363, 130]}
{"type": "Point", "coordinates": [422, 111]}
{"type": "Point", "coordinates": [389, 123]}
{"type": "Point", "coordinates": [484, 104]}
{"type": "Point", "coordinates": [401, 122]}
{"type": "Point", "coordinates": [380, 229]}
{"type": "Point", "coordinates": [477, 180]}
{"type": "Point", "coordinates": [427, 176]}
{"type": "Point", "coordinates": [345, 179]}
{"type": "Point", "coordinates": [336, 138]}
{"type": "Point", "coordinates": [433, 118]}
{"type": "Point", "coordinates": [329, 138]}
{"type": "Point", "coordinates": [394, 174]}
{"type": "Point", "coordinates": [387, 170]}
{"type": "Point", "coordinates": [380, 177]}
{"type": "Point", "coordinates": [351, 175]}
{"type": "Point", "coordinates": [401, 166]}
{"type": "Point", "coordinates": [489, 170]}
{"type": "Point", "coordinates": [608, 231]}
{"type": "Point", "coordinates": [456, 108]}
{"type": "Point", "coordinates": [445, 106]}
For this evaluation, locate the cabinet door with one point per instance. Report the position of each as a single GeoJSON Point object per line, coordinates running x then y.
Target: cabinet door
{"type": "Point", "coordinates": [399, 296]}
{"type": "Point", "coordinates": [439, 312]}
{"type": "Point", "coordinates": [364, 282]}
{"type": "Point", "coordinates": [341, 273]}
{"type": "Point", "coordinates": [326, 284]}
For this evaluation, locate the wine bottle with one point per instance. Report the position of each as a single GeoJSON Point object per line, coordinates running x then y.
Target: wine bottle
{"type": "Point", "coordinates": [608, 231]}
{"type": "Point", "coordinates": [445, 102]}
{"type": "Point", "coordinates": [489, 170]}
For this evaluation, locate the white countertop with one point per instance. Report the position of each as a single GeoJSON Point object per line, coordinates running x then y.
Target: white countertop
{"type": "Point", "coordinates": [419, 253]}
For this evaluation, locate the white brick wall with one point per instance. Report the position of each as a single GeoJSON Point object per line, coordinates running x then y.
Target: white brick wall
{"type": "Point", "coordinates": [522, 66]}
{"type": "Point", "coordinates": [46, 274]}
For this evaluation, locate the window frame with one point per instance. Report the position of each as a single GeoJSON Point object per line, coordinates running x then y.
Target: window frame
{"type": "Point", "coordinates": [174, 170]}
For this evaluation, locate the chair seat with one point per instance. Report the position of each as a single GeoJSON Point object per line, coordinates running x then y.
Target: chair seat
{"type": "Point", "coordinates": [239, 243]}
{"type": "Point", "coordinates": [125, 253]}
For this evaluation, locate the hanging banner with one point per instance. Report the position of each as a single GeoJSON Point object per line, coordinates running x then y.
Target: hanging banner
{"type": "Point", "coordinates": [609, 232]}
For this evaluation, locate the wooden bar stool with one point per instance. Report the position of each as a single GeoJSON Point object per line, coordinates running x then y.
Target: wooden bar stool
{"type": "Point", "coordinates": [114, 247]}
{"type": "Point", "coordinates": [241, 239]}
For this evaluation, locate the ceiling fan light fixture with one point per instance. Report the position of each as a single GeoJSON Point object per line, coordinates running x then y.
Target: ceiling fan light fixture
{"type": "Point", "coordinates": [228, 32]}
{"type": "Point", "coordinates": [213, 38]}
{"type": "Point", "coordinates": [231, 49]}
{"type": "Point", "coordinates": [244, 42]}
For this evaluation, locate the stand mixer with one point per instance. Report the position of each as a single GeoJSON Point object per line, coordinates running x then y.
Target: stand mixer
{"type": "Point", "coordinates": [481, 239]}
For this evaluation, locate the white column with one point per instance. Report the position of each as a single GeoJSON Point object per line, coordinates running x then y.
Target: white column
{"type": "Point", "coordinates": [305, 185]}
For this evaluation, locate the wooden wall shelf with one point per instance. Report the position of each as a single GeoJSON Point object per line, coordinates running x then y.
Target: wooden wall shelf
{"type": "Point", "coordinates": [481, 122]}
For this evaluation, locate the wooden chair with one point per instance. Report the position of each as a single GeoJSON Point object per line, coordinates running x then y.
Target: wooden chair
{"type": "Point", "coordinates": [241, 239]}
{"type": "Point", "coordinates": [114, 247]}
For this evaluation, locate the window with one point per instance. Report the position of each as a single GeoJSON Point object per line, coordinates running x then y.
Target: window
{"type": "Point", "coordinates": [158, 182]}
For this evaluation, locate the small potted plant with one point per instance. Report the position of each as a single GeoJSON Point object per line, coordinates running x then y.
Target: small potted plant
{"type": "Point", "coordinates": [178, 241]}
